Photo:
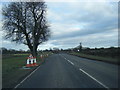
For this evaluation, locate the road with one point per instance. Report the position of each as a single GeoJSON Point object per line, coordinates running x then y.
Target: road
{"type": "Point", "coordinates": [68, 71]}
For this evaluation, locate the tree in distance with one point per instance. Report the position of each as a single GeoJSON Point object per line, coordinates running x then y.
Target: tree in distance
{"type": "Point", "coordinates": [26, 23]}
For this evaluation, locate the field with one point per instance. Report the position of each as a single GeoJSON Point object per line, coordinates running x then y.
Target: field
{"type": "Point", "coordinates": [95, 57]}
{"type": "Point", "coordinates": [12, 68]}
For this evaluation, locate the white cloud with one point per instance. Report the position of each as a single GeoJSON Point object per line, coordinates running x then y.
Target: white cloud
{"type": "Point", "coordinates": [85, 15]}
{"type": "Point", "coordinates": [81, 0]}
{"type": "Point", "coordinates": [60, 0]}
{"type": "Point", "coordinates": [0, 8]}
{"type": "Point", "coordinates": [0, 26]}
{"type": "Point", "coordinates": [94, 24]}
{"type": "Point", "coordinates": [12, 45]}
{"type": "Point", "coordinates": [84, 18]}
{"type": "Point", "coordinates": [63, 28]}
{"type": "Point", "coordinates": [105, 39]}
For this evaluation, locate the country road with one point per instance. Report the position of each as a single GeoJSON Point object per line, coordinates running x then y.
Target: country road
{"type": "Point", "coordinates": [68, 71]}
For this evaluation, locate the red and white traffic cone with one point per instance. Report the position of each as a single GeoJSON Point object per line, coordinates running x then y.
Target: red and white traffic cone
{"type": "Point", "coordinates": [35, 62]}
{"type": "Point", "coordinates": [31, 64]}
{"type": "Point", "coordinates": [28, 62]}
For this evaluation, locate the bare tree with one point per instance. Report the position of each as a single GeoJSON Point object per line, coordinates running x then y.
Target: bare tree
{"type": "Point", "coordinates": [25, 22]}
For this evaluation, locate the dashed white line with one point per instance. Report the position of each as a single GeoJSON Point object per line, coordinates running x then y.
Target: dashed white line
{"type": "Point", "coordinates": [70, 62]}
{"type": "Point", "coordinates": [89, 75]}
{"type": "Point", "coordinates": [94, 79]}
{"type": "Point", "coordinates": [26, 78]}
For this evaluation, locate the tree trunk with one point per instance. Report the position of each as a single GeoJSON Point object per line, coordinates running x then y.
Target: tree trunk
{"type": "Point", "coordinates": [34, 52]}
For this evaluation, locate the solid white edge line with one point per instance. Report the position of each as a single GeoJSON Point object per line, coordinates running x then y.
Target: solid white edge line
{"type": "Point", "coordinates": [26, 78]}
{"type": "Point", "coordinates": [94, 79]}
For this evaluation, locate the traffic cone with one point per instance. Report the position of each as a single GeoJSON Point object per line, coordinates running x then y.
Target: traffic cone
{"type": "Point", "coordinates": [41, 56]}
{"type": "Point", "coordinates": [34, 63]}
{"type": "Point", "coordinates": [28, 62]}
{"type": "Point", "coordinates": [31, 64]}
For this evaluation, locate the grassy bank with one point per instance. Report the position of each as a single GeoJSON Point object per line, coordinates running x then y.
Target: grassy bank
{"type": "Point", "coordinates": [12, 69]}
{"type": "Point", "coordinates": [99, 58]}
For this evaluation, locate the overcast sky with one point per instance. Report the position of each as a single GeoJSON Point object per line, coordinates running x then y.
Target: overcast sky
{"type": "Point", "coordinates": [95, 24]}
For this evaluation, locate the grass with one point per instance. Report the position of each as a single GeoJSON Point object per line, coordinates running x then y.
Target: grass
{"type": "Point", "coordinates": [100, 58]}
{"type": "Point", "coordinates": [20, 54]}
{"type": "Point", "coordinates": [12, 71]}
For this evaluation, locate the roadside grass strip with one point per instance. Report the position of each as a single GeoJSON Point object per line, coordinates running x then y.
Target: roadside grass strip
{"type": "Point", "coordinates": [14, 68]}
{"type": "Point", "coordinates": [98, 58]}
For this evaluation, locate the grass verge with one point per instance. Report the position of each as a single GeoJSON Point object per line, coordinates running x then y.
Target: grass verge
{"type": "Point", "coordinates": [99, 58]}
{"type": "Point", "coordinates": [12, 71]}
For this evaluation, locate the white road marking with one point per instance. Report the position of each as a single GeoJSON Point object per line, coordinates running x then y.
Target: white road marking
{"type": "Point", "coordinates": [70, 62]}
{"type": "Point", "coordinates": [94, 79]}
{"type": "Point", "coordinates": [26, 78]}
{"type": "Point", "coordinates": [89, 75]}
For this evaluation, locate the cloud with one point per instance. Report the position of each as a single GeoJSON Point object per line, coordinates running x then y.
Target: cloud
{"type": "Point", "coordinates": [81, 0]}
{"type": "Point", "coordinates": [92, 23]}
{"type": "Point", "coordinates": [0, 8]}
{"type": "Point", "coordinates": [12, 45]}
{"type": "Point", "coordinates": [108, 38]}
{"type": "Point", "coordinates": [0, 26]}
{"type": "Point", "coordinates": [88, 17]}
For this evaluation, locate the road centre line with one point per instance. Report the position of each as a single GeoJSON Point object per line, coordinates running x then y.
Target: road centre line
{"type": "Point", "coordinates": [26, 78]}
{"type": "Point", "coordinates": [90, 76]}
{"type": "Point", "coordinates": [94, 79]}
{"type": "Point", "coordinates": [70, 62]}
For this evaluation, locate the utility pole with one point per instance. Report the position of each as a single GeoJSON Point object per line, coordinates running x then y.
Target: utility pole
{"type": "Point", "coordinates": [80, 48]}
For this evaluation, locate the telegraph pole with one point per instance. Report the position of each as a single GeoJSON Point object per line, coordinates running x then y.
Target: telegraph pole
{"type": "Point", "coordinates": [80, 48]}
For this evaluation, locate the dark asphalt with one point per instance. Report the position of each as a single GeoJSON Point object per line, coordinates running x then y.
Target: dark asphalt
{"type": "Point", "coordinates": [58, 72]}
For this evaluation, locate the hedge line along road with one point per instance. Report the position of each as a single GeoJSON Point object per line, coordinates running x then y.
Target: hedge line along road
{"type": "Point", "coordinates": [68, 71]}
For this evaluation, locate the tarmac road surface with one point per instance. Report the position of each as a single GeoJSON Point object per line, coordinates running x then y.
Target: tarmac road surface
{"type": "Point", "coordinates": [68, 71]}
